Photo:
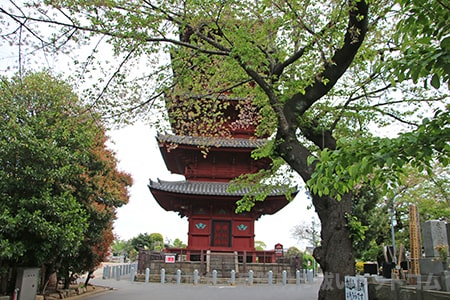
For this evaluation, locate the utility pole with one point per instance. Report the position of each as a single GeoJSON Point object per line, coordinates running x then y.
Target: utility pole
{"type": "Point", "coordinates": [314, 245]}
{"type": "Point", "coordinates": [394, 258]}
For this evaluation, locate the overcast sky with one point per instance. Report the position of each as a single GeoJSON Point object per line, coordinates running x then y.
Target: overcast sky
{"type": "Point", "coordinates": [139, 155]}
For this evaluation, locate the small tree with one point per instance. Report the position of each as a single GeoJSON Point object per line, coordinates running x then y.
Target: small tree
{"type": "Point", "coordinates": [308, 232]}
{"type": "Point", "coordinates": [371, 230]}
{"type": "Point", "coordinates": [120, 247]}
{"type": "Point", "coordinates": [41, 146]}
{"type": "Point", "coordinates": [102, 189]}
{"type": "Point", "coordinates": [177, 243]}
{"type": "Point", "coordinates": [46, 206]}
{"type": "Point", "coordinates": [293, 252]}
{"type": "Point", "coordinates": [260, 245]}
{"type": "Point", "coordinates": [153, 241]}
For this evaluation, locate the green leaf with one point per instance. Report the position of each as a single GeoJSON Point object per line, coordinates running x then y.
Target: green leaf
{"type": "Point", "coordinates": [311, 159]}
{"type": "Point", "coordinates": [435, 81]}
{"type": "Point", "coordinates": [445, 43]}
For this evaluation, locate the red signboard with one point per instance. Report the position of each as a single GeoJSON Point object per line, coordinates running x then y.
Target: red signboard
{"type": "Point", "coordinates": [278, 250]}
{"type": "Point", "coordinates": [169, 259]}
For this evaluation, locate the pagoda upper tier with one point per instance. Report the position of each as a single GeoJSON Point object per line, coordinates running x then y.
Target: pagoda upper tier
{"type": "Point", "coordinates": [209, 158]}
{"type": "Point", "coordinates": [220, 116]}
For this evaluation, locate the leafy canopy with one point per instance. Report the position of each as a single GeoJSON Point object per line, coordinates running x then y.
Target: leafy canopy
{"type": "Point", "coordinates": [42, 150]}
{"type": "Point", "coordinates": [59, 184]}
{"type": "Point", "coordinates": [355, 163]}
{"type": "Point", "coordinates": [422, 36]}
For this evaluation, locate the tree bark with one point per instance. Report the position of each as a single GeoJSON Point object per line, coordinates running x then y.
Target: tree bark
{"type": "Point", "coordinates": [47, 271]}
{"type": "Point", "coordinates": [88, 277]}
{"type": "Point", "coordinates": [67, 280]}
{"type": "Point", "coordinates": [335, 254]}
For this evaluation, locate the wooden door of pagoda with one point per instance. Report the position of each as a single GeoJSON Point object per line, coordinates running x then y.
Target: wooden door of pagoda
{"type": "Point", "coordinates": [221, 234]}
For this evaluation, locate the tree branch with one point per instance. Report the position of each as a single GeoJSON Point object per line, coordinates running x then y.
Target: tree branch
{"type": "Point", "coordinates": [289, 147]}
{"type": "Point", "coordinates": [341, 60]}
{"type": "Point", "coordinates": [110, 80]}
{"type": "Point", "coordinates": [352, 99]}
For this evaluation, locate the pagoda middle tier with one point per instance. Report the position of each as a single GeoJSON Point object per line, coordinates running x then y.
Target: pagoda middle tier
{"type": "Point", "coordinates": [189, 197]}
{"type": "Point", "coordinates": [211, 210]}
{"type": "Point", "coordinates": [210, 159]}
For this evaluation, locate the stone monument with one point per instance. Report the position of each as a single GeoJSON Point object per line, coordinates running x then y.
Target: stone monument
{"type": "Point", "coordinates": [434, 237]}
{"type": "Point", "coordinates": [436, 247]}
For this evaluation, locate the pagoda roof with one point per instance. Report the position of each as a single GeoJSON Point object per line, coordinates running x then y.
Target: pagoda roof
{"type": "Point", "coordinates": [218, 97]}
{"type": "Point", "coordinates": [179, 195]}
{"type": "Point", "coordinates": [204, 188]}
{"type": "Point", "coordinates": [211, 141]}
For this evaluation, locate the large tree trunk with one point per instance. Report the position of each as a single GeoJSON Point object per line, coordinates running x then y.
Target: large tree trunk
{"type": "Point", "coordinates": [335, 254]}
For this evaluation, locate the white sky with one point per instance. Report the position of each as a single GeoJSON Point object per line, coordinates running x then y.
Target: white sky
{"type": "Point", "coordinates": [139, 155]}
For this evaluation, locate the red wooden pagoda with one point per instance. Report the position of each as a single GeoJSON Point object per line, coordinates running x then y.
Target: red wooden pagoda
{"type": "Point", "coordinates": [209, 160]}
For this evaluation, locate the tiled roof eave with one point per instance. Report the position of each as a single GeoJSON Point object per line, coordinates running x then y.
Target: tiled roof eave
{"type": "Point", "coordinates": [211, 141]}
{"type": "Point", "coordinates": [202, 188]}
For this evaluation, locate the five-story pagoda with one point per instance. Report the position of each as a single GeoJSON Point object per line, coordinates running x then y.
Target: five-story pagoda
{"type": "Point", "coordinates": [211, 143]}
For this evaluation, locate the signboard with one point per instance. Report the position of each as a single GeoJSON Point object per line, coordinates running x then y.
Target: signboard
{"type": "Point", "coordinates": [356, 288]}
{"type": "Point", "coordinates": [169, 259]}
{"type": "Point", "coordinates": [278, 250]}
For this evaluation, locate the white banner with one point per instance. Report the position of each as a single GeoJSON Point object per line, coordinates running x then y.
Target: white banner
{"type": "Point", "coordinates": [356, 288]}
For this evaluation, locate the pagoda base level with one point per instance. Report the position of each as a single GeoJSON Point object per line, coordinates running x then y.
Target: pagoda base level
{"type": "Point", "coordinates": [251, 256]}
{"type": "Point", "coordinates": [222, 264]}
{"type": "Point", "coordinates": [223, 261]}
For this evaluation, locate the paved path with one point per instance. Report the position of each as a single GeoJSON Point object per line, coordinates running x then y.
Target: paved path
{"type": "Point", "coordinates": [124, 289]}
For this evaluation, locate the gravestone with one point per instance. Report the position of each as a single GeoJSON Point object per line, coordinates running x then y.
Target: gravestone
{"type": "Point", "coordinates": [434, 234]}
{"type": "Point", "coordinates": [26, 283]}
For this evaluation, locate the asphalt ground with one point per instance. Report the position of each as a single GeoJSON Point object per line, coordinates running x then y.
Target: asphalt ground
{"type": "Point", "coordinates": [125, 289]}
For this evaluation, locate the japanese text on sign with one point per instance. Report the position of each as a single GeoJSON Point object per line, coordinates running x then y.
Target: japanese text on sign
{"type": "Point", "coordinates": [170, 259]}
{"type": "Point", "coordinates": [356, 288]}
